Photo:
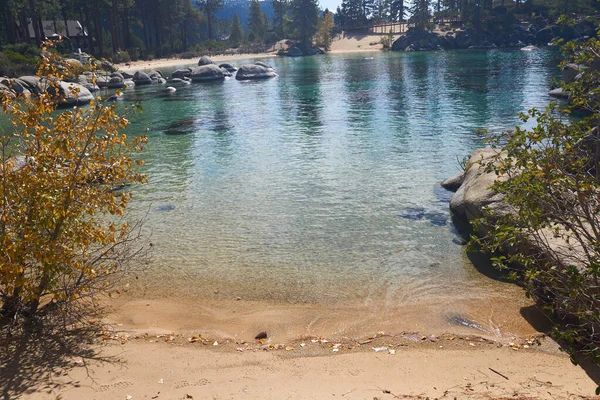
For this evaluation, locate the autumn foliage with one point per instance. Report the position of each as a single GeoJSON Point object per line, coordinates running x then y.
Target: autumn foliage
{"type": "Point", "coordinates": [63, 238]}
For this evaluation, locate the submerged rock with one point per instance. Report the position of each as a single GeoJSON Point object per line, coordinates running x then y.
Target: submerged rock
{"type": "Point", "coordinates": [436, 218]}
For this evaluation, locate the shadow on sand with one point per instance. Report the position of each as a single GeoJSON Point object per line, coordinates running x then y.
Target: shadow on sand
{"type": "Point", "coordinates": [31, 362]}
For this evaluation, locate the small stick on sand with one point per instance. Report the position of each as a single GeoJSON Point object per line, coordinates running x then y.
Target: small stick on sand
{"type": "Point", "coordinates": [496, 372]}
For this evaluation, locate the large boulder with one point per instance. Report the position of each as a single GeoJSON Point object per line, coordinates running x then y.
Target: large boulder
{"type": "Point", "coordinates": [225, 72]}
{"type": "Point", "coordinates": [141, 78]}
{"type": "Point", "coordinates": [71, 94]}
{"type": "Point", "coordinates": [295, 52]}
{"type": "Point", "coordinates": [228, 67]}
{"type": "Point", "coordinates": [116, 82]}
{"type": "Point", "coordinates": [125, 74]}
{"type": "Point", "coordinates": [570, 72]}
{"type": "Point", "coordinates": [16, 85]}
{"type": "Point", "coordinates": [108, 66]}
{"type": "Point", "coordinates": [474, 194]}
{"type": "Point", "coordinates": [205, 60]}
{"type": "Point", "coordinates": [181, 73]}
{"type": "Point", "coordinates": [559, 93]}
{"type": "Point", "coordinates": [207, 73]}
{"type": "Point", "coordinates": [254, 71]}
{"type": "Point", "coordinates": [32, 83]}
{"type": "Point", "coordinates": [155, 75]}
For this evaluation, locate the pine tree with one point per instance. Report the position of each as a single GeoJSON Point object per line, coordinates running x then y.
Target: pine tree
{"type": "Point", "coordinates": [280, 8]}
{"type": "Point", "coordinates": [305, 15]}
{"type": "Point", "coordinates": [257, 24]}
{"type": "Point", "coordinates": [237, 33]}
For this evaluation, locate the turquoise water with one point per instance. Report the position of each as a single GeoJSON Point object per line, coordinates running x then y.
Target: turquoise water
{"type": "Point", "coordinates": [322, 185]}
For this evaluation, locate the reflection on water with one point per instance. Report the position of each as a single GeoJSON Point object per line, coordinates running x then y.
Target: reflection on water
{"type": "Point", "coordinates": [321, 186]}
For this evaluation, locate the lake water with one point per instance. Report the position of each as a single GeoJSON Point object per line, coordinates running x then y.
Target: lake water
{"type": "Point", "coordinates": [320, 187]}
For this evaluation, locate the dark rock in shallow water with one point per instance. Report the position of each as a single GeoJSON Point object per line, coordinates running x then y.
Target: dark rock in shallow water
{"type": "Point", "coordinates": [436, 218]}
{"type": "Point", "coordinates": [165, 207]}
{"type": "Point", "coordinates": [442, 194]}
{"type": "Point", "coordinates": [182, 127]}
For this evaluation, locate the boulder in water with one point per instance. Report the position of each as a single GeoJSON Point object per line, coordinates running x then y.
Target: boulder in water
{"type": "Point", "coordinates": [141, 78]}
{"type": "Point", "coordinates": [207, 73]}
{"type": "Point", "coordinates": [295, 52]}
{"type": "Point", "coordinates": [205, 60]}
{"type": "Point", "coordinates": [570, 72]}
{"type": "Point", "coordinates": [254, 71]}
{"type": "Point", "coordinates": [71, 94]}
{"type": "Point", "coordinates": [181, 73]}
{"type": "Point", "coordinates": [228, 67]}
{"type": "Point", "coordinates": [116, 82]}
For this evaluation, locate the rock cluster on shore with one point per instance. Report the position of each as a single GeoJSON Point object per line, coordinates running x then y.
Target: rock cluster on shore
{"type": "Point", "coordinates": [78, 89]}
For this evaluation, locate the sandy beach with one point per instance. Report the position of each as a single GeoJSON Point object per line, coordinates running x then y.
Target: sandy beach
{"type": "Point", "coordinates": [341, 44]}
{"type": "Point", "coordinates": [172, 365]}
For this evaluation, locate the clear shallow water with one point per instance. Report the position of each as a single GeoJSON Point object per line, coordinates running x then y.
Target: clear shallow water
{"type": "Point", "coordinates": [321, 186]}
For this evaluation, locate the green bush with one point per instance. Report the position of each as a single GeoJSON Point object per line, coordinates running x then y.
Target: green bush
{"type": "Point", "coordinates": [14, 69]}
{"type": "Point", "coordinates": [121, 56]}
{"type": "Point", "coordinates": [551, 181]}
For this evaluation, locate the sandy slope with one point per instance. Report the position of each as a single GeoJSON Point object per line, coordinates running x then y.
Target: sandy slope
{"type": "Point", "coordinates": [151, 367]}
{"type": "Point", "coordinates": [352, 43]}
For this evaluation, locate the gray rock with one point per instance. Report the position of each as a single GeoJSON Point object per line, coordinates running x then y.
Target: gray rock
{"type": "Point", "coordinates": [228, 67]}
{"type": "Point", "coordinates": [32, 83]}
{"type": "Point", "coordinates": [74, 64]}
{"type": "Point", "coordinates": [452, 184]}
{"type": "Point", "coordinates": [155, 75]}
{"type": "Point", "coordinates": [254, 71]}
{"type": "Point", "coordinates": [205, 60]}
{"type": "Point", "coordinates": [570, 72]}
{"type": "Point", "coordinates": [262, 64]}
{"type": "Point", "coordinates": [108, 66]}
{"type": "Point", "coordinates": [474, 194]}
{"type": "Point", "coordinates": [181, 73]}
{"type": "Point", "coordinates": [559, 93]}
{"type": "Point", "coordinates": [206, 73]}
{"type": "Point", "coordinates": [295, 52]}
{"type": "Point", "coordinates": [116, 82]}
{"type": "Point", "coordinates": [118, 75]}
{"type": "Point", "coordinates": [71, 94]}
{"type": "Point", "coordinates": [225, 72]}
{"type": "Point", "coordinates": [125, 74]}
{"type": "Point", "coordinates": [141, 78]}
{"type": "Point", "coordinates": [17, 86]}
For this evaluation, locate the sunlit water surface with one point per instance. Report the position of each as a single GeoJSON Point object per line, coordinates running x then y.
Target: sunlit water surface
{"type": "Point", "coordinates": [321, 186]}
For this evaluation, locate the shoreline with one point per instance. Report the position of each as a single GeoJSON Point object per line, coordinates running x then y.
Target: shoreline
{"type": "Point", "coordinates": [172, 365]}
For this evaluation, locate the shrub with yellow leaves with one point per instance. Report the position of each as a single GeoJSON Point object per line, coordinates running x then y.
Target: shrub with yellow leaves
{"type": "Point", "coordinates": [63, 236]}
